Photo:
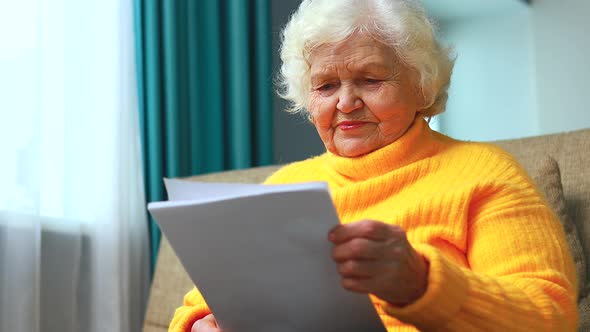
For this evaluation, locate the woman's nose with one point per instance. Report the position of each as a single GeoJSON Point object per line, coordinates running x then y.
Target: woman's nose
{"type": "Point", "coordinates": [349, 100]}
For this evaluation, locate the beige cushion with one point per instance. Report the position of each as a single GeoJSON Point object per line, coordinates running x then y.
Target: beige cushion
{"type": "Point", "coordinates": [151, 328]}
{"type": "Point", "coordinates": [548, 179]}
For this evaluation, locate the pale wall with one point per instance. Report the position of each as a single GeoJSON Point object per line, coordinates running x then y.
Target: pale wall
{"type": "Point", "coordinates": [492, 93]}
{"type": "Point", "coordinates": [562, 47]}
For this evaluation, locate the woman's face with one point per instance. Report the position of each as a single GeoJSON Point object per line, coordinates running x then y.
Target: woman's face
{"type": "Point", "coordinates": [362, 99]}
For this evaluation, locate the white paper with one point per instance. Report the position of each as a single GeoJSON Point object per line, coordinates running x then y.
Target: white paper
{"type": "Point", "coordinates": [260, 256]}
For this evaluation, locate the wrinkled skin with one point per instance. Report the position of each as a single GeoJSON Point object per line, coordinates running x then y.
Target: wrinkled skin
{"type": "Point", "coordinates": [360, 80]}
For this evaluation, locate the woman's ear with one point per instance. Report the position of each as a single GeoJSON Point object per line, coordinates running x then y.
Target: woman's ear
{"type": "Point", "coordinates": [419, 95]}
{"type": "Point", "coordinates": [421, 99]}
{"type": "Point", "coordinates": [309, 116]}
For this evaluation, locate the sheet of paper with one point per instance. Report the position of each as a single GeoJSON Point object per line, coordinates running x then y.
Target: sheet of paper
{"type": "Point", "coordinates": [182, 190]}
{"type": "Point", "coordinates": [262, 259]}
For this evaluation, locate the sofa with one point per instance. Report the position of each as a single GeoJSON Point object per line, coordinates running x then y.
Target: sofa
{"type": "Point", "coordinates": [571, 150]}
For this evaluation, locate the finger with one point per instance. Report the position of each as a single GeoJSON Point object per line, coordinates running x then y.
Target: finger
{"type": "Point", "coordinates": [211, 320]}
{"type": "Point", "coordinates": [373, 285]}
{"type": "Point", "coordinates": [368, 229]}
{"type": "Point", "coordinates": [356, 285]}
{"type": "Point", "coordinates": [205, 324]}
{"type": "Point", "coordinates": [361, 269]}
{"type": "Point", "coordinates": [357, 249]}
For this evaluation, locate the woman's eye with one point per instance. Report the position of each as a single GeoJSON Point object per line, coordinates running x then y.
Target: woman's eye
{"type": "Point", "coordinates": [326, 87]}
{"type": "Point", "coordinates": [372, 81]}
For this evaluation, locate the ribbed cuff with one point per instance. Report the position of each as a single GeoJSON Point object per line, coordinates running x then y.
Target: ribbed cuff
{"type": "Point", "coordinates": [445, 293]}
{"type": "Point", "coordinates": [183, 321]}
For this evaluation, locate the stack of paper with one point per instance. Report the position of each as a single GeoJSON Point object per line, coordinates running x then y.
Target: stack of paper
{"type": "Point", "coordinates": [260, 256]}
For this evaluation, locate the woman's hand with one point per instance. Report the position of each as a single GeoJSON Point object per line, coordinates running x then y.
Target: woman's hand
{"type": "Point", "coordinates": [206, 324]}
{"type": "Point", "coordinates": [374, 257]}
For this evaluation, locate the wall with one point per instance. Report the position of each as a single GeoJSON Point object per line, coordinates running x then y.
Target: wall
{"type": "Point", "coordinates": [522, 72]}
{"type": "Point", "coordinates": [492, 93]}
{"type": "Point", "coordinates": [562, 48]}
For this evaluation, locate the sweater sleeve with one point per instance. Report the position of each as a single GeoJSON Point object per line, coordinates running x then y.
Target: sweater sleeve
{"type": "Point", "coordinates": [194, 308]}
{"type": "Point", "coordinates": [521, 275]}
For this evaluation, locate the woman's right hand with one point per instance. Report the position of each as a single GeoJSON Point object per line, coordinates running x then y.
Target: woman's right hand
{"type": "Point", "coordinates": [206, 324]}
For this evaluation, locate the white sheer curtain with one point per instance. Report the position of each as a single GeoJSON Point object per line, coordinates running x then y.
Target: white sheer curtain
{"type": "Point", "coordinates": [73, 231]}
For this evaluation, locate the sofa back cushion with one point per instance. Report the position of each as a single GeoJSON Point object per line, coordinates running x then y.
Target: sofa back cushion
{"type": "Point", "coordinates": [572, 153]}
{"type": "Point", "coordinates": [548, 179]}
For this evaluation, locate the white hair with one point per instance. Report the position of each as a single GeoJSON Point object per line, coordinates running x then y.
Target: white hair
{"type": "Point", "coordinates": [401, 25]}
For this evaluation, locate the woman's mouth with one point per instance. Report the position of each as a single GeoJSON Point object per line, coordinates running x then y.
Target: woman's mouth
{"type": "Point", "coordinates": [350, 125]}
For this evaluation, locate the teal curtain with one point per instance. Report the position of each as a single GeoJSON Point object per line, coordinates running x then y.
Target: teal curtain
{"type": "Point", "coordinates": [205, 89]}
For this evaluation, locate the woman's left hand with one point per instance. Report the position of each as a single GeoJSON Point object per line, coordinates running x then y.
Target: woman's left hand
{"type": "Point", "coordinates": [374, 257]}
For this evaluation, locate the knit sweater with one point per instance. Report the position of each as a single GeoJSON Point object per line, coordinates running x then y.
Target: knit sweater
{"type": "Point", "coordinates": [498, 259]}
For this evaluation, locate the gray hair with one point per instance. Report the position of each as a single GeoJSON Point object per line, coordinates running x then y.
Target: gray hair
{"type": "Point", "coordinates": [400, 24]}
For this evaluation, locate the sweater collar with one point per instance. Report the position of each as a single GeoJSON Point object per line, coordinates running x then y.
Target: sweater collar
{"type": "Point", "coordinates": [417, 143]}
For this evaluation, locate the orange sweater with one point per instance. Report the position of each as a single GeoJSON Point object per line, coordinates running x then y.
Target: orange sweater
{"type": "Point", "coordinates": [497, 253]}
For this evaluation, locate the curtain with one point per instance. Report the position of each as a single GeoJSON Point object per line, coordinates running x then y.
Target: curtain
{"type": "Point", "coordinates": [73, 234]}
{"type": "Point", "coordinates": [205, 89]}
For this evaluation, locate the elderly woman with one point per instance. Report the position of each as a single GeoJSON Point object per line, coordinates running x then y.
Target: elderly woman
{"type": "Point", "coordinates": [442, 234]}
